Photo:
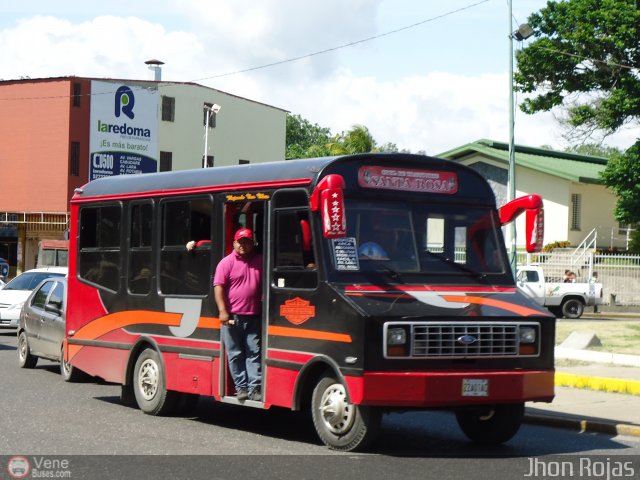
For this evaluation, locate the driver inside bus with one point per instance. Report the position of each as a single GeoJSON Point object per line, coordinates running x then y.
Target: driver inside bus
{"type": "Point", "coordinates": [377, 245]}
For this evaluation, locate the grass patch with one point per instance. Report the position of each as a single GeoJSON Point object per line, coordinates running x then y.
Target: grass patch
{"type": "Point", "coordinates": [617, 336]}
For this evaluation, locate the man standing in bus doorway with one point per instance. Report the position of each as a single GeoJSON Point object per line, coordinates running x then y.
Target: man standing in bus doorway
{"type": "Point", "coordinates": [237, 285]}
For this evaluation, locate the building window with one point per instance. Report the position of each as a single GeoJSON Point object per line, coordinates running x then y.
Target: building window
{"type": "Point", "coordinates": [211, 114]}
{"type": "Point", "coordinates": [166, 161]}
{"type": "Point", "coordinates": [74, 163]}
{"type": "Point", "coordinates": [77, 94]}
{"type": "Point", "coordinates": [168, 108]}
{"type": "Point", "coordinates": [576, 200]}
{"type": "Point", "coordinates": [243, 162]}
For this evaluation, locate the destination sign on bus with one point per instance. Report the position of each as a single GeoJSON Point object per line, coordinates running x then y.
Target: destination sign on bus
{"type": "Point", "coordinates": [408, 180]}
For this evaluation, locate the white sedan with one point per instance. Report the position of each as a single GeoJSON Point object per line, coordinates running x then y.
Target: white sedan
{"type": "Point", "coordinates": [14, 293]}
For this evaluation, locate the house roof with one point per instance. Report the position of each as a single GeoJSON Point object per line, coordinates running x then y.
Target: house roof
{"type": "Point", "coordinates": [570, 166]}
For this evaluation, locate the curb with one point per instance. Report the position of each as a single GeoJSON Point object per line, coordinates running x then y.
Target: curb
{"type": "Point", "coordinates": [582, 425]}
{"type": "Point", "coordinates": [600, 384]}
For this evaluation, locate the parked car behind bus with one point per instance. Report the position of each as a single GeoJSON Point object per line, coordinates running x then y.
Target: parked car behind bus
{"type": "Point", "coordinates": [41, 327]}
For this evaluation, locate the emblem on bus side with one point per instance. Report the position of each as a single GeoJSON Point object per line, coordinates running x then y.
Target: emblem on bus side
{"type": "Point", "coordinates": [297, 310]}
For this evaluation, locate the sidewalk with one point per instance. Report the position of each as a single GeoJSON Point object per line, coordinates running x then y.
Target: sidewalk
{"type": "Point", "coordinates": [599, 397]}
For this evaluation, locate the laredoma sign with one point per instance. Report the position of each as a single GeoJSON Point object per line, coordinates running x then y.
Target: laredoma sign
{"type": "Point", "coordinates": [124, 137]}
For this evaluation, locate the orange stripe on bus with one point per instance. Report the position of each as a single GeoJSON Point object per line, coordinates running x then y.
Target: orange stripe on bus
{"type": "Point", "coordinates": [511, 307]}
{"type": "Point", "coordinates": [103, 325]}
{"type": "Point", "coordinates": [314, 334]}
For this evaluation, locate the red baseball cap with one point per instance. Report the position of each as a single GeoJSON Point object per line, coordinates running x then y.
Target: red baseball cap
{"type": "Point", "coordinates": [243, 233]}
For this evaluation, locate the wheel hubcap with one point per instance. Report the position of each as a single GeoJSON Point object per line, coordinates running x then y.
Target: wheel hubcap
{"type": "Point", "coordinates": [336, 413]}
{"type": "Point", "coordinates": [148, 379]}
{"type": "Point", "coordinates": [23, 347]}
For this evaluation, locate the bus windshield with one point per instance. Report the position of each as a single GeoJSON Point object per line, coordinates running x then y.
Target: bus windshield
{"type": "Point", "coordinates": [410, 237]}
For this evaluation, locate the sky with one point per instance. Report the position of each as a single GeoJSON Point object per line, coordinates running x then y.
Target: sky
{"type": "Point", "coordinates": [434, 76]}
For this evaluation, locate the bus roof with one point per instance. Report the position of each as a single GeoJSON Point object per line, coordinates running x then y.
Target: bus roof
{"type": "Point", "coordinates": [300, 172]}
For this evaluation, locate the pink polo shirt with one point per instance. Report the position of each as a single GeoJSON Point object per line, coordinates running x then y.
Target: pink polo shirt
{"type": "Point", "coordinates": [242, 281]}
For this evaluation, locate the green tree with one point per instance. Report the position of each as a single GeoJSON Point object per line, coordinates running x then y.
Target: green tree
{"type": "Point", "coordinates": [585, 58]}
{"type": "Point", "coordinates": [301, 135]}
{"type": "Point", "coordinates": [595, 150]}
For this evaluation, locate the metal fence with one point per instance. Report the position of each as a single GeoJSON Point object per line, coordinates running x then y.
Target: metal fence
{"type": "Point", "coordinates": [619, 274]}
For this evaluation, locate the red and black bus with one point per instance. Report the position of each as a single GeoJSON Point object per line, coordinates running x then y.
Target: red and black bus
{"type": "Point", "coordinates": [386, 287]}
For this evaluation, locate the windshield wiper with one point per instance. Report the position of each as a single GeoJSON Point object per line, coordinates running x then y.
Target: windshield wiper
{"type": "Point", "coordinates": [385, 268]}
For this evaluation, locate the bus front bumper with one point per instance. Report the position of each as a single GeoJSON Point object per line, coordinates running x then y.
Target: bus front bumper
{"type": "Point", "coordinates": [444, 389]}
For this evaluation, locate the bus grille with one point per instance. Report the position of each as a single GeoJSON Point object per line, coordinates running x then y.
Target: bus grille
{"type": "Point", "coordinates": [455, 340]}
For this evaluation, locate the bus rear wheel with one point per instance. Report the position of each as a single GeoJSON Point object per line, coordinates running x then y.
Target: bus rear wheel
{"type": "Point", "coordinates": [491, 425]}
{"type": "Point", "coordinates": [149, 385]}
{"type": "Point", "coordinates": [339, 424]}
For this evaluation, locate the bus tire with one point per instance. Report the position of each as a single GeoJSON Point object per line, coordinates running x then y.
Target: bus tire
{"type": "Point", "coordinates": [149, 385]}
{"type": "Point", "coordinates": [341, 425]}
{"type": "Point", "coordinates": [572, 308]}
{"type": "Point", "coordinates": [491, 425]}
{"type": "Point", "coordinates": [68, 372]}
{"type": "Point", "coordinates": [25, 358]}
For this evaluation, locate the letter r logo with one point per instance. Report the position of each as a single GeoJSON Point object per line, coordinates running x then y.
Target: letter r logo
{"type": "Point", "coordinates": [124, 101]}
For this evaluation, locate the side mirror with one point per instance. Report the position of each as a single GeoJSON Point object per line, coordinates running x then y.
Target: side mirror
{"type": "Point", "coordinates": [51, 308]}
{"type": "Point", "coordinates": [534, 219]}
{"type": "Point", "coordinates": [329, 199]}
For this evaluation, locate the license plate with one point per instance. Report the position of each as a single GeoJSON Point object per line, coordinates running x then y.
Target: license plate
{"type": "Point", "coordinates": [475, 387]}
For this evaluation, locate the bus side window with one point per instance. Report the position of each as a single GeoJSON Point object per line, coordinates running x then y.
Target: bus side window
{"type": "Point", "coordinates": [140, 256]}
{"type": "Point", "coordinates": [183, 272]}
{"type": "Point", "coordinates": [99, 255]}
{"type": "Point", "coordinates": [293, 250]}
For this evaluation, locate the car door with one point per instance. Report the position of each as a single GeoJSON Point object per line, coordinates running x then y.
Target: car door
{"type": "Point", "coordinates": [34, 315]}
{"type": "Point", "coordinates": [52, 327]}
{"type": "Point", "coordinates": [530, 283]}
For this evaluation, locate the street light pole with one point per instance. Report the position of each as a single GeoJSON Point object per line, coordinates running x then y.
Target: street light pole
{"type": "Point", "coordinates": [512, 159]}
{"type": "Point", "coordinates": [523, 32]}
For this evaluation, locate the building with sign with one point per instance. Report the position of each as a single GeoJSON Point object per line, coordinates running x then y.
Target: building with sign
{"type": "Point", "coordinates": [59, 133]}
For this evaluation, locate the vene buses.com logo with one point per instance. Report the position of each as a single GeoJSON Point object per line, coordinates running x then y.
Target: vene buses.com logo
{"type": "Point", "coordinates": [18, 467]}
{"type": "Point", "coordinates": [124, 102]}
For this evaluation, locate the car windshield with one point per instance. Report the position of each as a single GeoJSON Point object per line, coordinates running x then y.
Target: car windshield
{"type": "Point", "coordinates": [399, 237]}
{"type": "Point", "coordinates": [29, 280]}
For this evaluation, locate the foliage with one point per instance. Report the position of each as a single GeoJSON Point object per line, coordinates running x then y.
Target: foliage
{"type": "Point", "coordinates": [585, 58]}
{"type": "Point", "coordinates": [595, 150]}
{"type": "Point", "coordinates": [634, 241]}
{"type": "Point", "coordinates": [306, 140]}
{"type": "Point", "coordinates": [550, 247]}
{"type": "Point", "coordinates": [302, 135]}
{"type": "Point", "coordinates": [622, 176]}
{"type": "Point", "coordinates": [584, 47]}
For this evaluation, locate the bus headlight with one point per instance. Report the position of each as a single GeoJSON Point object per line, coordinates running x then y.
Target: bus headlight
{"type": "Point", "coordinates": [397, 344]}
{"type": "Point", "coordinates": [527, 335]}
{"type": "Point", "coordinates": [396, 336]}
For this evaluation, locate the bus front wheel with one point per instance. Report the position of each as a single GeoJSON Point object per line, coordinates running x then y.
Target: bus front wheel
{"type": "Point", "coordinates": [491, 425]}
{"type": "Point", "coordinates": [339, 424]}
{"type": "Point", "coordinates": [149, 384]}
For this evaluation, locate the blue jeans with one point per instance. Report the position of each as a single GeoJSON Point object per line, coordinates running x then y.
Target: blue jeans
{"type": "Point", "coordinates": [242, 341]}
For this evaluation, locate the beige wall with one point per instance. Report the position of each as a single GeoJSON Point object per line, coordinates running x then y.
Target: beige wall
{"type": "Point", "coordinates": [245, 130]}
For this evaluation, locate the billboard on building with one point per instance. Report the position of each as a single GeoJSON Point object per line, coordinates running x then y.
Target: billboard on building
{"type": "Point", "coordinates": [124, 129]}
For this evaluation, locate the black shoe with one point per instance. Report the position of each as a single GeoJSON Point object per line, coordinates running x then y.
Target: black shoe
{"type": "Point", "coordinates": [242, 394]}
{"type": "Point", "coordinates": [255, 395]}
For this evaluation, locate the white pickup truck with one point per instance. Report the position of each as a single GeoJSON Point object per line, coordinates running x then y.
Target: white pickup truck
{"type": "Point", "coordinates": [562, 299]}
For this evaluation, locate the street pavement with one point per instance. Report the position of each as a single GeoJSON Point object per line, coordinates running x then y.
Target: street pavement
{"type": "Point", "coordinates": [601, 395]}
